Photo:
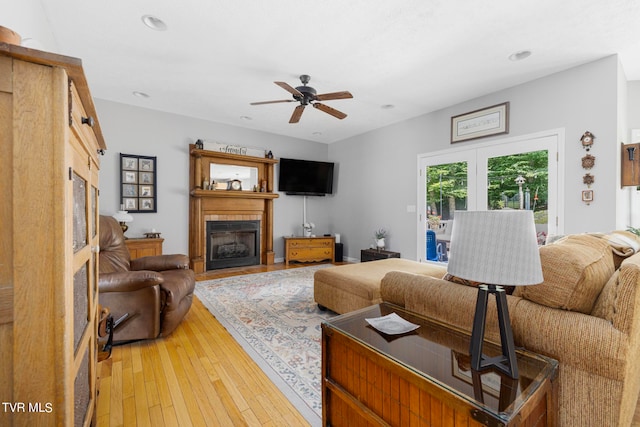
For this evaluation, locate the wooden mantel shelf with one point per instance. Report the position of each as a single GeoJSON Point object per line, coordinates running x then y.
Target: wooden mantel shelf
{"type": "Point", "coordinates": [216, 154]}
{"type": "Point", "coordinates": [233, 194]}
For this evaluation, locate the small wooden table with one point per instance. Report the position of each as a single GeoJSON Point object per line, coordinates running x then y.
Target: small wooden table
{"type": "Point", "coordinates": [376, 254]}
{"type": "Point", "coordinates": [309, 249]}
{"type": "Point", "coordinates": [424, 377]}
{"type": "Point", "coordinates": [139, 247]}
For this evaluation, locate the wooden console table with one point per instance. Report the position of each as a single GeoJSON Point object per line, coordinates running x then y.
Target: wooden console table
{"type": "Point", "coordinates": [309, 249]}
{"type": "Point", "coordinates": [424, 377]}
{"type": "Point", "coordinates": [139, 247]}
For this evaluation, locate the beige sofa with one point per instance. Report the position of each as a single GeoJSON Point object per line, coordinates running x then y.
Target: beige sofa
{"type": "Point", "coordinates": [586, 315]}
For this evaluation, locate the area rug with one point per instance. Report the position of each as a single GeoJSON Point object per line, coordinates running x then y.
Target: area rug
{"type": "Point", "coordinates": [274, 318]}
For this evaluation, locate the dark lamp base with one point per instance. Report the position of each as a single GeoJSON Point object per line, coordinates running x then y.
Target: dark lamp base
{"type": "Point", "coordinates": [506, 362]}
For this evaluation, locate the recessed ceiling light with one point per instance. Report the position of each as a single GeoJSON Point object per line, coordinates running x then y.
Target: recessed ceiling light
{"type": "Point", "coordinates": [140, 94]}
{"type": "Point", "coordinates": [387, 106]}
{"type": "Point", "coordinates": [316, 133]}
{"type": "Point", "coordinates": [246, 118]}
{"type": "Point", "coordinates": [154, 23]}
{"type": "Point", "coordinates": [519, 56]}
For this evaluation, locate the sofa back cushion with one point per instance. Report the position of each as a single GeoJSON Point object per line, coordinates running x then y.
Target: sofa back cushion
{"type": "Point", "coordinates": [575, 269]}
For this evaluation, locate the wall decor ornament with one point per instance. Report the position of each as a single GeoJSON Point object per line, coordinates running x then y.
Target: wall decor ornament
{"type": "Point", "coordinates": [138, 183]}
{"type": "Point", "coordinates": [588, 161]}
{"type": "Point", "coordinates": [481, 123]}
{"type": "Point", "coordinates": [587, 139]}
{"type": "Point", "coordinates": [588, 179]}
{"type": "Point", "coordinates": [587, 196]}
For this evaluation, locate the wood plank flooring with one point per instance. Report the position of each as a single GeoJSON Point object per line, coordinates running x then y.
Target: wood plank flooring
{"type": "Point", "coordinates": [198, 376]}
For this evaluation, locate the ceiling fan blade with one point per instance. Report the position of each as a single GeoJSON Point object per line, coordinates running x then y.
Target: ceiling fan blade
{"type": "Point", "coordinates": [297, 112]}
{"type": "Point", "coordinates": [272, 102]}
{"type": "Point", "coordinates": [289, 89]}
{"type": "Point", "coordinates": [329, 110]}
{"type": "Point", "coordinates": [334, 95]}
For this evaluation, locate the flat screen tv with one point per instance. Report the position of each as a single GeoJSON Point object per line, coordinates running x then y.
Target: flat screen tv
{"type": "Point", "coordinates": [305, 177]}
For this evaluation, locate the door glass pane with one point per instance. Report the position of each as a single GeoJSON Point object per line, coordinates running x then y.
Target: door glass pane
{"type": "Point", "coordinates": [79, 213]}
{"type": "Point", "coordinates": [520, 181]}
{"type": "Point", "coordinates": [446, 192]}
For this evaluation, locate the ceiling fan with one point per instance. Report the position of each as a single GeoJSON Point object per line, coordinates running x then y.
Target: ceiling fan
{"type": "Point", "coordinates": [306, 95]}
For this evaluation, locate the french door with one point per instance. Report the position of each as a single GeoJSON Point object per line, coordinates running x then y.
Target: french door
{"type": "Point", "coordinates": [516, 173]}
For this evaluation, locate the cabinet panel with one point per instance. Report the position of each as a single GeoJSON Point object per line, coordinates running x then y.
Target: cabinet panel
{"type": "Point", "coordinates": [48, 211]}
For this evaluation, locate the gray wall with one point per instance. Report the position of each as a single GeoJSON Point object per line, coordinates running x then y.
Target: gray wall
{"type": "Point", "coordinates": [378, 169]}
{"type": "Point", "coordinates": [133, 130]}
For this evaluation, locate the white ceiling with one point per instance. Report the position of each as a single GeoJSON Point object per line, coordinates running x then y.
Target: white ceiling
{"type": "Point", "coordinates": [419, 56]}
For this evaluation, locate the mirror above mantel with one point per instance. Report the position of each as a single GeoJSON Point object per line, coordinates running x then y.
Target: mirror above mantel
{"type": "Point", "coordinates": [223, 173]}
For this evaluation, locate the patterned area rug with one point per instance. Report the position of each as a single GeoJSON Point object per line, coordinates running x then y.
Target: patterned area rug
{"type": "Point", "coordinates": [273, 316]}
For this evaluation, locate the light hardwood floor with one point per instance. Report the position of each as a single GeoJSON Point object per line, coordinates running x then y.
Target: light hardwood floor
{"type": "Point", "coordinates": [198, 376]}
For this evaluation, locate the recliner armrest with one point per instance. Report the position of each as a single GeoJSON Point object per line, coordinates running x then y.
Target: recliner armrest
{"type": "Point", "coordinates": [161, 262]}
{"type": "Point", "coordinates": [128, 281]}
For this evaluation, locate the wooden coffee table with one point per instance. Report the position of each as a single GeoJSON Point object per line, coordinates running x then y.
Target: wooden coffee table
{"type": "Point", "coordinates": [424, 377]}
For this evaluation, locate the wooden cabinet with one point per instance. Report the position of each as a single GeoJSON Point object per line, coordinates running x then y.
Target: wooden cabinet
{"type": "Point", "coordinates": [49, 161]}
{"type": "Point", "coordinates": [144, 247]}
{"type": "Point", "coordinates": [309, 249]}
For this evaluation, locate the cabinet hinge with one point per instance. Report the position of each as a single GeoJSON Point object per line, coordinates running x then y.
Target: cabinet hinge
{"type": "Point", "coordinates": [70, 95]}
{"type": "Point", "coordinates": [70, 174]}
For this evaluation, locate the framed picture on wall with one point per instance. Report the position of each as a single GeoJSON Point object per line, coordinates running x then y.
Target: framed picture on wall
{"type": "Point", "coordinates": [138, 180]}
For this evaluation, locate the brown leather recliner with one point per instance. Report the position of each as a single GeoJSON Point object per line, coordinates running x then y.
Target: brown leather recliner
{"type": "Point", "coordinates": [153, 293]}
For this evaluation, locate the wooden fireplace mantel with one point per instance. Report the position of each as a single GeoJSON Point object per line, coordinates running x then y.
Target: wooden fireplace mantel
{"type": "Point", "coordinates": [208, 205]}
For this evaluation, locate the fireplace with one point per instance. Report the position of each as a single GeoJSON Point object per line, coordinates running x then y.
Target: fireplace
{"type": "Point", "coordinates": [232, 244]}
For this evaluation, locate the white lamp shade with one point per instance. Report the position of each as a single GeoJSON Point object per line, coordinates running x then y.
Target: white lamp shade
{"type": "Point", "coordinates": [495, 247]}
{"type": "Point", "coordinates": [123, 216]}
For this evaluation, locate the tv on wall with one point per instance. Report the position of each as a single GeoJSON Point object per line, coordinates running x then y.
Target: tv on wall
{"type": "Point", "coordinates": [305, 177]}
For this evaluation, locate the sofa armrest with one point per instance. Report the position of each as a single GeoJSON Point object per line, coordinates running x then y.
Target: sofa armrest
{"type": "Point", "coordinates": [161, 262]}
{"type": "Point", "coordinates": [586, 342]}
{"type": "Point", "coordinates": [128, 281]}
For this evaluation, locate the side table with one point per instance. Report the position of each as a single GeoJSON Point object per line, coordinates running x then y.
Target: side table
{"type": "Point", "coordinates": [424, 377]}
{"type": "Point", "coordinates": [139, 247]}
{"type": "Point", "coordinates": [375, 254]}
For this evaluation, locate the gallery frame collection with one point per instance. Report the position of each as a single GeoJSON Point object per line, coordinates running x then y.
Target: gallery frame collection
{"type": "Point", "coordinates": [138, 183]}
{"type": "Point", "coordinates": [481, 123]}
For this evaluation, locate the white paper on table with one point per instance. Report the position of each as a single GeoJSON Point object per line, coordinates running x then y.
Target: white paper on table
{"type": "Point", "coordinates": [392, 324]}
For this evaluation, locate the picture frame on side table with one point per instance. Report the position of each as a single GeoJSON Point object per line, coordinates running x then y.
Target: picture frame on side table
{"type": "Point", "coordinates": [481, 123]}
{"type": "Point", "coordinates": [138, 181]}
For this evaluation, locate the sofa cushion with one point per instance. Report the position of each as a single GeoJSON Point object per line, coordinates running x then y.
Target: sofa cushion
{"type": "Point", "coordinates": [604, 307]}
{"type": "Point", "coordinates": [575, 269]}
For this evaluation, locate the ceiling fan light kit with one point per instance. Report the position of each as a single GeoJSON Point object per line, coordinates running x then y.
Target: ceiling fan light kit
{"type": "Point", "coordinates": [306, 95]}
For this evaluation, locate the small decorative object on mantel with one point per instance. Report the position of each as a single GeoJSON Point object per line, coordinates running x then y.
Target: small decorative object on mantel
{"type": "Point", "coordinates": [235, 185]}
{"type": "Point", "coordinates": [588, 161]}
{"type": "Point", "coordinates": [587, 140]}
{"type": "Point", "coordinates": [380, 235]}
{"type": "Point", "coordinates": [199, 144]}
{"type": "Point", "coordinates": [269, 155]}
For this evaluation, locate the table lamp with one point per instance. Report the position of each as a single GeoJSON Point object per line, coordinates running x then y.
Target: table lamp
{"type": "Point", "coordinates": [494, 248]}
{"type": "Point", "coordinates": [123, 217]}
